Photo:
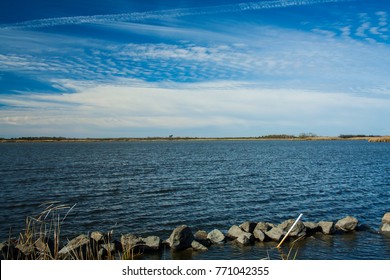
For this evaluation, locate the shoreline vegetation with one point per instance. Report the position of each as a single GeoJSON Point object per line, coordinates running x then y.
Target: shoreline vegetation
{"type": "Point", "coordinates": [283, 137]}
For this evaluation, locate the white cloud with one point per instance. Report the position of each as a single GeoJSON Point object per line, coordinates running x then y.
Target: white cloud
{"type": "Point", "coordinates": [372, 29]}
{"type": "Point", "coordinates": [361, 30]}
{"type": "Point", "coordinates": [230, 107]}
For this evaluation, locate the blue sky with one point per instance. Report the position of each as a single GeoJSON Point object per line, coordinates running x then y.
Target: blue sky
{"type": "Point", "coordinates": [194, 68]}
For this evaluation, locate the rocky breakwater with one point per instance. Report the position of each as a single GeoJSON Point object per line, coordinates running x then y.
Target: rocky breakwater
{"type": "Point", "coordinates": [100, 245]}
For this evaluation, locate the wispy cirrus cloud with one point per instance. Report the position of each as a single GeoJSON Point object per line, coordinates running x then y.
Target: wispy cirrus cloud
{"type": "Point", "coordinates": [162, 14]}
{"type": "Point", "coordinates": [325, 62]}
{"type": "Point", "coordinates": [371, 27]}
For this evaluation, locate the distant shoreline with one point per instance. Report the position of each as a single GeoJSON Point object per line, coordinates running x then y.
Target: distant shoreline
{"type": "Point", "coordinates": [261, 138]}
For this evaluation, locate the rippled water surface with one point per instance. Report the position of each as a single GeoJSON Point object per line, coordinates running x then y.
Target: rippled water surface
{"type": "Point", "coordinates": [152, 187]}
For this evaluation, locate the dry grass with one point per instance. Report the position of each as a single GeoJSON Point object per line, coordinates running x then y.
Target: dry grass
{"type": "Point", "coordinates": [40, 239]}
{"type": "Point", "coordinates": [291, 250]}
{"type": "Point", "coordinates": [379, 139]}
{"type": "Point", "coordinates": [282, 254]}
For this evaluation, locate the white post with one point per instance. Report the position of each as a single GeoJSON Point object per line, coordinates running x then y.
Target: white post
{"type": "Point", "coordinates": [291, 228]}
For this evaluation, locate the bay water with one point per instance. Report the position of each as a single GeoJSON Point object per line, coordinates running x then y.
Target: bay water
{"type": "Point", "coordinates": [150, 187]}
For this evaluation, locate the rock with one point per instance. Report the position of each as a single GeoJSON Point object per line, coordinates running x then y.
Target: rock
{"type": "Point", "coordinates": [298, 230]}
{"type": "Point", "coordinates": [241, 236]}
{"type": "Point", "coordinates": [100, 238]}
{"type": "Point", "coordinates": [45, 246]}
{"type": "Point", "coordinates": [76, 248]}
{"type": "Point", "coordinates": [259, 235]}
{"type": "Point", "coordinates": [245, 238]}
{"type": "Point", "coordinates": [326, 227]}
{"type": "Point", "coordinates": [131, 243]}
{"type": "Point", "coordinates": [198, 246]}
{"type": "Point", "coordinates": [275, 233]}
{"type": "Point", "coordinates": [27, 250]}
{"type": "Point", "coordinates": [181, 238]}
{"type": "Point", "coordinates": [109, 247]}
{"type": "Point", "coordinates": [347, 224]}
{"type": "Point", "coordinates": [107, 251]}
{"type": "Point", "coordinates": [248, 226]}
{"type": "Point", "coordinates": [311, 227]}
{"type": "Point", "coordinates": [97, 239]}
{"type": "Point", "coordinates": [263, 226]}
{"type": "Point", "coordinates": [201, 235]}
{"type": "Point", "coordinates": [270, 225]}
{"type": "Point", "coordinates": [386, 218]}
{"type": "Point", "coordinates": [216, 236]}
{"type": "Point", "coordinates": [385, 228]}
{"type": "Point", "coordinates": [234, 232]}
{"type": "Point", "coordinates": [97, 236]}
{"type": "Point", "coordinates": [152, 243]}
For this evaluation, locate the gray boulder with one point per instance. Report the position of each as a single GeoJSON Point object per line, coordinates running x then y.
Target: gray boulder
{"type": "Point", "coordinates": [77, 248]}
{"type": "Point", "coordinates": [275, 233]}
{"type": "Point", "coordinates": [97, 236]}
{"type": "Point", "coordinates": [45, 247]}
{"type": "Point", "coordinates": [245, 238]}
{"type": "Point", "coordinates": [200, 235]}
{"type": "Point", "coordinates": [241, 236]}
{"type": "Point", "coordinates": [386, 218]}
{"type": "Point", "coordinates": [197, 246]}
{"type": "Point", "coordinates": [151, 243]}
{"type": "Point", "coordinates": [248, 226]}
{"type": "Point", "coordinates": [385, 227]}
{"type": "Point", "coordinates": [27, 251]}
{"type": "Point", "coordinates": [263, 226]}
{"type": "Point", "coordinates": [347, 224]}
{"type": "Point", "coordinates": [107, 251]}
{"type": "Point", "coordinates": [311, 227]}
{"type": "Point", "coordinates": [216, 236]}
{"type": "Point", "coordinates": [259, 235]}
{"type": "Point", "coordinates": [234, 232]}
{"type": "Point", "coordinates": [270, 225]}
{"type": "Point", "coordinates": [298, 230]}
{"type": "Point", "coordinates": [131, 243]}
{"type": "Point", "coordinates": [181, 238]}
{"type": "Point", "coordinates": [326, 227]}
{"type": "Point", "coordinates": [97, 239]}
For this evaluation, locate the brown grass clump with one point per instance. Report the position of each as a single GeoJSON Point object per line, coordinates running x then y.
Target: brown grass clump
{"type": "Point", "coordinates": [40, 238]}
{"type": "Point", "coordinates": [379, 139]}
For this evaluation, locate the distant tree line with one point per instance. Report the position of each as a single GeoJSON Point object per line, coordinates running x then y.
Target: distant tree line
{"type": "Point", "coordinates": [40, 138]}
{"type": "Point", "coordinates": [345, 136]}
{"type": "Point", "coordinates": [278, 136]}
{"type": "Point", "coordinates": [288, 136]}
{"type": "Point", "coordinates": [306, 135]}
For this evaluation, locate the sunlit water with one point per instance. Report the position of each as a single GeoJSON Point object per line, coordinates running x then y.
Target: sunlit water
{"type": "Point", "coordinates": [151, 187]}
